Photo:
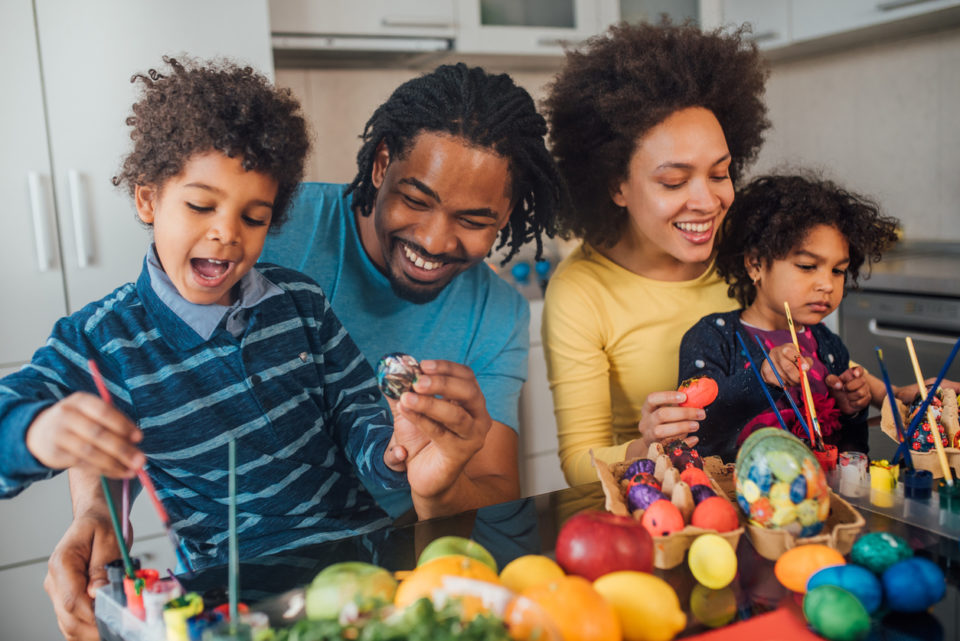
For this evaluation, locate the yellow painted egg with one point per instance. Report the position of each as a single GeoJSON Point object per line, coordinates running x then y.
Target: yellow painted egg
{"type": "Point", "coordinates": [712, 561]}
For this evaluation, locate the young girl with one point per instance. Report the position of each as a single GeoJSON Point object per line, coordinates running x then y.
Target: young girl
{"type": "Point", "coordinates": [801, 240]}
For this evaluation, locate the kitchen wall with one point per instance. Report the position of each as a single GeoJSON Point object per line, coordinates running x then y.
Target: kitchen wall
{"type": "Point", "coordinates": [881, 119]}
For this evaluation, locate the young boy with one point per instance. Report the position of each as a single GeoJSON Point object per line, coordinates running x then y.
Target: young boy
{"type": "Point", "coordinates": [207, 347]}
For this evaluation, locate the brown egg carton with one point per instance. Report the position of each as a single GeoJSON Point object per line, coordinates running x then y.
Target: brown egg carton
{"type": "Point", "coordinates": [841, 529]}
{"type": "Point", "coordinates": [668, 551]}
{"type": "Point", "coordinates": [927, 460]}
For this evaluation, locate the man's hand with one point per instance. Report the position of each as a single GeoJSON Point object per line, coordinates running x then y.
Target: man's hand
{"type": "Point", "coordinates": [785, 359]}
{"type": "Point", "coordinates": [83, 430]}
{"type": "Point", "coordinates": [75, 571]}
{"type": "Point", "coordinates": [850, 390]}
{"type": "Point", "coordinates": [441, 425]}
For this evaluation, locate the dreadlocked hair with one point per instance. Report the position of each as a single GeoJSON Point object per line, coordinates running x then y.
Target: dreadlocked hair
{"type": "Point", "coordinates": [215, 106]}
{"type": "Point", "coordinates": [488, 111]}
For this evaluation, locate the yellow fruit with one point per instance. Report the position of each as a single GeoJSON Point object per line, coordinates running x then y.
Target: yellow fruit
{"type": "Point", "coordinates": [429, 576]}
{"type": "Point", "coordinates": [712, 561]}
{"type": "Point", "coordinates": [646, 605]}
{"type": "Point", "coordinates": [530, 570]}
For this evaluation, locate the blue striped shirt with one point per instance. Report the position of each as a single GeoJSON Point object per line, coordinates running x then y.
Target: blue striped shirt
{"type": "Point", "coordinates": [292, 389]}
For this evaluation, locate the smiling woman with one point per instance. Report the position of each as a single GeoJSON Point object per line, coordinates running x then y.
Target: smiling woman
{"type": "Point", "coordinates": [651, 127]}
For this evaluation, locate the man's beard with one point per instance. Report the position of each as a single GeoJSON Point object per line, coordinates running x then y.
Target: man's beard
{"type": "Point", "coordinates": [418, 295]}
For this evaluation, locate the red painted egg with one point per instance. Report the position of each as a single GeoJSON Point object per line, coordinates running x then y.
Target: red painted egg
{"type": "Point", "coordinates": [694, 476]}
{"type": "Point", "coordinates": [715, 513]}
{"type": "Point", "coordinates": [662, 518]}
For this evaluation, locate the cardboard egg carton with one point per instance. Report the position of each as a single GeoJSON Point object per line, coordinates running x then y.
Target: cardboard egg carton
{"type": "Point", "coordinates": [668, 551]}
{"type": "Point", "coordinates": [948, 418]}
{"type": "Point", "coordinates": [841, 529]}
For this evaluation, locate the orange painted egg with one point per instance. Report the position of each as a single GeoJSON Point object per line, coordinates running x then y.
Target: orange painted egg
{"type": "Point", "coordinates": [795, 567]}
{"type": "Point", "coordinates": [662, 518]}
{"type": "Point", "coordinates": [715, 513]}
{"type": "Point", "coordinates": [694, 476]}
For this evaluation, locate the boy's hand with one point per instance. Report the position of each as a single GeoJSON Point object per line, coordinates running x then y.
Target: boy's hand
{"type": "Point", "coordinates": [441, 424]}
{"type": "Point", "coordinates": [784, 358]}
{"type": "Point", "coordinates": [83, 430]}
{"type": "Point", "coordinates": [908, 393]}
{"type": "Point", "coordinates": [850, 390]}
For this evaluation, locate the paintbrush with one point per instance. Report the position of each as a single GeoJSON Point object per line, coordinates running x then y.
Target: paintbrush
{"type": "Point", "coordinates": [763, 384]}
{"type": "Point", "coordinates": [796, 410]}
{"type": "Point", "coordinates": [804, 381]}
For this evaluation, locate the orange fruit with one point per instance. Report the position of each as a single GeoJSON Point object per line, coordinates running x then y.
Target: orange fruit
{"type": "Point", "coordinates": [530, 570]}
{"type": "Point", "coordinates": [568, 608]}
{"type": "Point", "coordinates": [428, 577]}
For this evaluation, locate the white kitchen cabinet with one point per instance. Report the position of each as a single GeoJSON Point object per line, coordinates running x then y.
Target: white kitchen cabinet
{"type": "Point", "coordinates": [540, 465]}
{"type": "Point", "coordinates": [71, 237]}
{"type": "Point", "coordinates": [431, 18]}
{"type": "Point", "coordinates": [819, 18]}
{"type": "Point", "coordinates": [525, 27]}
{"type": "Point", "coordinates": [770, 20]}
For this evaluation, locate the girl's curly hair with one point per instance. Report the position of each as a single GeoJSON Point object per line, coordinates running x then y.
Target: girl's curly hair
{"type": "Point", "coordinates": [215, 106]}
{"type": "Point", "coordinates": [774, 213]}
{"type": "Point", "coordinates": [486, 110]}
{"type": "Point", "coordinates": [625, 82]}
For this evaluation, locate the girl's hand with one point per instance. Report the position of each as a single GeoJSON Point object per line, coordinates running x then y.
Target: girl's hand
{"type": "Point", "coordinates": [664, 421]}
{"type": "Point", "coordinates": [83, 430]}
{"type": "Point", "coordinates": [850, 390]}
{"type": "Point", "coordinates": [784, 358]}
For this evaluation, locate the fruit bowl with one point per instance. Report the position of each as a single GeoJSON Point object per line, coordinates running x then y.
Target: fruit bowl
{"type": "Point", "coordinates": [669, 550]}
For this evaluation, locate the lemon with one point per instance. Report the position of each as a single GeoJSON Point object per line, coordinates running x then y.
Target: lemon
{"type": "Point", "coordinates": [712, 561]}
{"type": "Point", "coordinates": [528, 571]}
{"type": "Point", "coordinates": [646, 605]}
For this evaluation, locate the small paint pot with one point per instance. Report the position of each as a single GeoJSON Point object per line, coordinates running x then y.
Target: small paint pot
{"type": "Point", "coordinates": [177, 614]}
{"type": "Point", "coordinates": [115, 573]}
{"type": "Point", "coordinates": [134, 590]}
{"type": "Point", "coordinates": [917, 484]}
{"type": "Point", "coordinates": [949, 496]}
{"type": "Point", "coordinates": [828, 458]}
{"type": "Point", "coordinates": [883, 482]}
{"type": "Point", "coordinates": [853, 473]}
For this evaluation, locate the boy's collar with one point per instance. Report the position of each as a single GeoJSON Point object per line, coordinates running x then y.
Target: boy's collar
{"type": "Point", "coordinates": [253, 289]}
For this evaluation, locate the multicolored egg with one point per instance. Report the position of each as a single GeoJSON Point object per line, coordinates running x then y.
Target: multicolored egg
{"type": "Point", "coordinates": [644, 478]}
{"type": "Point", "coordinates": [779, 483]}
{"type": "Point", "coordinates": [397, 373]}
{"type": "Point", "coordinates": [682, 455]}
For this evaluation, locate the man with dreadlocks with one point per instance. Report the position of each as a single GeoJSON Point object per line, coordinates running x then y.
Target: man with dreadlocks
{"type": "Point", "coordinates": [451, 161]}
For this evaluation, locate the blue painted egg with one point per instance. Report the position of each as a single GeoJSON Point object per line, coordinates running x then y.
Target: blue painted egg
{"type": "Point", "coordinates": [913, 585]}
{"type": "Point", "coordinates": [780, 484]}
{"type": "Point", "coordinates": [858, 581]}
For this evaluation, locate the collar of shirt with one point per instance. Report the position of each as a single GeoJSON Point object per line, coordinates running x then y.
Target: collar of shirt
{"type": "Point", "coordinates": [204, 319]}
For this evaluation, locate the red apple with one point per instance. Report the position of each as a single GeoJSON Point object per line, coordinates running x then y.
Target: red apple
{"type": "Point", "coordinates": [594, 543]}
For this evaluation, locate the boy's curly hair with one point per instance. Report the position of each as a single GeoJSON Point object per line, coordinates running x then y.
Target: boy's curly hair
{"type": "Point", "coordinates": [774, 213]}
{"type": "Point", "coordinates": [486, 110]}
{"type": "Point", "coordinates": [625, 82]}
{"type": "Point", "coordinates": [215, 106]}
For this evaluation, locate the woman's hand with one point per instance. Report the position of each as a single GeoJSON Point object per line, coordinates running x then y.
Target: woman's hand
{"type": "Point", "coordinates": [784, 358]}
{"type": "Point", "coordinates": [664, 421]}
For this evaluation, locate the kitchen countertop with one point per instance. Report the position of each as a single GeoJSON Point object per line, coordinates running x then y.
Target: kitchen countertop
{"type": "Point", "coordinates": [918, 267]}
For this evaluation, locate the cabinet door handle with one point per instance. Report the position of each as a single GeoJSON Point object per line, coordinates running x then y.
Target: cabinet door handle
{"type": "Point", "coordinates": [763, 36]}
{"type": "Point", "coordinates": [892, 331]}
{"type": "Point", "coordinates": [898, 4]}
{"type": "Point", "coordinates": [40, 212]}
{"type": "Point", "coordinates": [412, 22]}
{"type": "Point", "coordinates": [81, 218]}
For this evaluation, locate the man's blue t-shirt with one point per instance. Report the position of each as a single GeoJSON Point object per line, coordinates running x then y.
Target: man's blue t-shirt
{"type": "Point", "coordinates": [478, 319]}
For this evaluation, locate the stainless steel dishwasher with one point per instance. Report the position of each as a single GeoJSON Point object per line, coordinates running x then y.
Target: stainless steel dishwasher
{"type": "Point", "coordinates": [914, 292]}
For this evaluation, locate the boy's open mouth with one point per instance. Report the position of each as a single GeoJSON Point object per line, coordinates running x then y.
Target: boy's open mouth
{"type": "Point", "coordinates": [210, 270]}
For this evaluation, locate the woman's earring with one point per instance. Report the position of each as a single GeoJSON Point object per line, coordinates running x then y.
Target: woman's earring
{"type": "Point", "coordinates": [756, 281]}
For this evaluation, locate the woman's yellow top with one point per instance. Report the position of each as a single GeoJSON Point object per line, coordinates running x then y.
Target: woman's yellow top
{"type": "Point", "coordinates": [611, 337]}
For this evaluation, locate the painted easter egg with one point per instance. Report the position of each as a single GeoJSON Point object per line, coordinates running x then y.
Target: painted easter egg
{"type": "Point", "coordinates": [712, 561]}
{"type": "Point", "coordinates": [780, 484]}
{"type": "Point", "coordinates": [694, 476]}
{"type": "Point", "coordinates": [701, 492]}
{"type": "Point", "coordinates": [913, 585]}
{"type": "Point", "coordinates": [644, 465]}
{"type": "Point", "coordinates": [715, 513]}
{"type": "Point", "coordinates": [877, 551]}
{"type": "Point", "coordinates": [682, 455]}
{"type": "Point", "coordinates": [836, 614]}
{"type": "Point", "coordinates": [795, 566]}
{"type": "Point", "coordinates": [857, 580]}
{"type": "Point", "coordinates": [713, 608]}
{"type": "Point", "coordinates": [396, 374]}
{"type": "Point", "coordinates": [700, 391]}
{"type": "Point", "coordinates": [641, 495]}
{"type": "Point", "coordinates": [661, 518]}
{"type": "Point", "coordinates": [645, 478]}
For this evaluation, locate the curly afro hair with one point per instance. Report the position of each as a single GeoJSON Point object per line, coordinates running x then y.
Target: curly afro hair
{"type": "Point", "coordinates": [486, 110]}
{"type": "Point", "coordinates": [773, 214]}
{"type": "Point", "coordinates": [215, 106]}
{"type": "Point", "coordinates": [625, 82]}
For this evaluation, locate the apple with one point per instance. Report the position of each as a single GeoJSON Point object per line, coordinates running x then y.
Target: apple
{"type": "Point", "coordinates": [594, 543]}
{"type": "Point", "coordinates": [356, 582]}
{"type": "Point", "coordinates": [448, 545]}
